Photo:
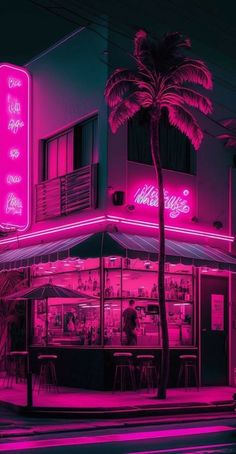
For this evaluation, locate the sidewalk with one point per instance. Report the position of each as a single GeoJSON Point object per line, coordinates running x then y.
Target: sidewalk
{"type": "Point", "coordinates": [74, 402]}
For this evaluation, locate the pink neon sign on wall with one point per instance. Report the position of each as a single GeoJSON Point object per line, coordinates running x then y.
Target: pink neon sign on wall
{"type": "Point", "coordinates": [175, 203]}
{"type": "Point", "coordinates": [14, 146]}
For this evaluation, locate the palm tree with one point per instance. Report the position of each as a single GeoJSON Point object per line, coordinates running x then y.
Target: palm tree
{"type": "Point", "coordinates": [157, 85]}
{"type": "Point", "coordinates": [230, 136]}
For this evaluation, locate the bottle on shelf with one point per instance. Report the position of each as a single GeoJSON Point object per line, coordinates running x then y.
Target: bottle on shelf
{"type": "Point", "coordinates": [154, 291]}
{"type": "Point", "coordinates": [90, 282]}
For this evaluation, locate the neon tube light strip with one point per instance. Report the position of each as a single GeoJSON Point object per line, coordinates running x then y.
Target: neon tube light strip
{"type": "Point", "coordinates": [171, 228]}
{"type": "Point", "coordinates": [101, 219]}
{"type": "Point", "coordinates": [60, 228]}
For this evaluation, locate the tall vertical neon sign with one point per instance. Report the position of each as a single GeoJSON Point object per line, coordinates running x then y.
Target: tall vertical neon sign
{"type": "Point", "coordinates": [14, 146]}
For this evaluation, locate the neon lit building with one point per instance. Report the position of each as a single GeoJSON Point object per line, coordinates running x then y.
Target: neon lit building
{"type": "Point", "coordinates": [89, 222]}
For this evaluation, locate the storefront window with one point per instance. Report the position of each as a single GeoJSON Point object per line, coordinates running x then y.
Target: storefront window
{"type": "Point", "coordinates": [131, 307]}
{"type": "Point", "coordinates": [68, 321]}
{"type": "Point", "coordinates": [135, 279]}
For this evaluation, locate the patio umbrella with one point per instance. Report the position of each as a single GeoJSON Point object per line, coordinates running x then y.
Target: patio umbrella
{"type": "Point", "coordinates": [38, 293]}
{"type": "Point", "coordinates": [46, 291]}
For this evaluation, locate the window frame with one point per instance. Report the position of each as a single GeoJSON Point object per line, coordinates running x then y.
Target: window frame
{"type": "Point", "coordinates": [76, 152]}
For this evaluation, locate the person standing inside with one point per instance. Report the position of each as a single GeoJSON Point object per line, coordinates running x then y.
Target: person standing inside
{"type": "Point", "coordinates": [130, 323]}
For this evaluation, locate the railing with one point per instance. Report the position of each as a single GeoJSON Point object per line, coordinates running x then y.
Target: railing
{"type": "Point", "coordinates": [66, 194]}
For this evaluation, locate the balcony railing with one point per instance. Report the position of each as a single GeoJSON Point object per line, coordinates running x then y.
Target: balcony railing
{"type": "Point", "coordinates": [66, 194]}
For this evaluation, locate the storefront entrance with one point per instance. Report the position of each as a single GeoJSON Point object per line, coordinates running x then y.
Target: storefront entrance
{"type": "Point", "coordinates": [214, 330]}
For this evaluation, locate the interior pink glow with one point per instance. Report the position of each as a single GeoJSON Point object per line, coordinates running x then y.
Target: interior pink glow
{"type": "Point", "coordinates": [171, 228]}
{"type": "Point", "coordinates": [14, 146]}
{"type": "Point", "coordinates": [116, 437]}
{"type": "Point", "coordinates": [175, 204]}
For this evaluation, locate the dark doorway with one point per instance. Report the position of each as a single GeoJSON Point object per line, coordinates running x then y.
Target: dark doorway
{"type": "Point", "coordinates": [214, 330]}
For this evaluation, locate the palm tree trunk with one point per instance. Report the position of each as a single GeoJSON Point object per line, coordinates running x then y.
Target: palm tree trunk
{"type": "Point", "coordinates": [155, 150]}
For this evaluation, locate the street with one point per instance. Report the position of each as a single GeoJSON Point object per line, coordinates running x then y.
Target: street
{"type": "Point", "coordinates": [208, 435]}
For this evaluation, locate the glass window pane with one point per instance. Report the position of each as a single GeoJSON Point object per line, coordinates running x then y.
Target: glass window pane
{"type": "Point", "coordinates": [52, 159]}
{"type": "Point", "coordinates": [87, 144]}
{"type": "Point", "coordinates": [70, 151]}
{"type": "Point", "coordinates": [146, 331]}
{"type": "Point", "coordinates": [39, 317]}
{"type": "Point", "coordinates": [180, 323]}
{"type": "Point", "coordinates": [112, 322]}
{"type": "Point", "coordinates": [62, 155]}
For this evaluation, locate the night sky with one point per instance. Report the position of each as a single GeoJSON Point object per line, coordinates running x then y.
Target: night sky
{"type": "Point", "coordinates": [29, 27]}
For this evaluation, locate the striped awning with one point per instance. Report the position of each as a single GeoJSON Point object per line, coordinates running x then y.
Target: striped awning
{"type": "Point", "coordinates": [41, 253]}
{"type": "Point", "coordinates": [105, 244]}
{"type": "Point", "coordinates": [176, 251]}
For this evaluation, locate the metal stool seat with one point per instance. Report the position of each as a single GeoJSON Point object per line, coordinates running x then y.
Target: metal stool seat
{"type": "Point", "coordinates": [124, 370]}
{"type": "Point", "coordinates": [187, 363]}
{"type": "Point", "coordinates": [47, 373]}
{"type": "Point", "coordinates": [148, 371]}
{"type": "Point", "coordinates": [16, 366]}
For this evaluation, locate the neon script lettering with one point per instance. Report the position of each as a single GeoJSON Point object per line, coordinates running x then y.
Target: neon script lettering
{"type": "Point", "coordinates": [15, 125]}
{"type": "Point", "coordinates": [12, 82]}
{"type": "Point", "coordinates": [148, 195]}
{"type": "Point", "coordinates": [14, 153]}
{"type": "Point", "coordinates": [14, 106]}
{"type": "Point", "coordinates": [14, 204]}
{"type": "Point", "coordinates": [13, 179]}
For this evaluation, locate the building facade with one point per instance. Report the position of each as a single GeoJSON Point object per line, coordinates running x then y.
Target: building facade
{"type": "Point", "coordinates": [94, 226]}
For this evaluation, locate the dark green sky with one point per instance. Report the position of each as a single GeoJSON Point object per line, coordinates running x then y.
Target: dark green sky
{"type": "Point", "coordinates": [28, 28]}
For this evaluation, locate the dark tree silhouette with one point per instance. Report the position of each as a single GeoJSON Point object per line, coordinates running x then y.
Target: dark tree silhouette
{"type": "Point", "coordinates": [157, 84]}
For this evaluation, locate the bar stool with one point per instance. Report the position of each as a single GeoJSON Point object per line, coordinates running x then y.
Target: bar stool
{"type": "Point", "coordinates": [124, 370]}
{"type": "Point", "coordinates": [47, 373]}
{"type": "Point", "coordinates": [148, 371]}
{"type": "Point", "coordinates": [188, 362]}
{"type": "Point", "coordinates": [16, 367]}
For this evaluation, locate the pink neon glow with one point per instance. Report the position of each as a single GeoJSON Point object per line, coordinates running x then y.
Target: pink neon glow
{"type": "Point", "coordinates": [175, 204]}
{"type": "Point", "coordinates": [14, 146]}
{"type": "Point", "coordinates": [101, 219]}
{"type": "Point", "coordinates": [111, 438]}
{"type": "Point", "coordinates": [61, 228]}
{"type": "Point", "coordinates": [206, 448]}
{"type": "Point", "coordinates": [171, 228]}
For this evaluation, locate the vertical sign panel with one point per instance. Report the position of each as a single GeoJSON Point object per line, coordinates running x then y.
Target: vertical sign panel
{"type": "Point", "coordinates": [14, 147]}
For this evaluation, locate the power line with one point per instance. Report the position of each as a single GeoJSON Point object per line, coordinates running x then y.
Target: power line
{"type": "Point", "coordinates": [89, 21]}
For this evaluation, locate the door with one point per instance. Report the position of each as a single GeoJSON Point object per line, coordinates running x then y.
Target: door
{"type": "Point", "coordinates": [214, 330]}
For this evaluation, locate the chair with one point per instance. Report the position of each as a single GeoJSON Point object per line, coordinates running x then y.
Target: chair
{"type": "Point", "coordinates": [16, 367]}
{"type": "Point", "coordinates": [148, 374]}
{"type": "Point", "coordinates": [187, 363]}
{"type": "Point", "coordinates": [124, 371]}
{"type": "Point", "coordinates": [47, 372]}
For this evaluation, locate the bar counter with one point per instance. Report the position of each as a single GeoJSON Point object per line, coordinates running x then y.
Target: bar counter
{"type": "Point", "coordinates": [93, 367]}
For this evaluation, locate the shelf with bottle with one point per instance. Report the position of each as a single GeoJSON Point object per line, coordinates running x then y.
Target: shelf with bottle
{"type": "Point", "coordinates": [144, 298]}
{"type": "Point", "coordinates": [140, 270]}
{"type": "Point", "coordinates": [175, 290]}
{"type": "Point", "coordinates": [89, 282]}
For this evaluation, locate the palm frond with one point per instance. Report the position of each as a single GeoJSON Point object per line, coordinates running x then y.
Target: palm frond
{"type": "Point", "coordinates": [193, 71]}
{"type": "Point", "coordinates": [119, 83]}
{"type": "Point", "coordinates": [195, 99]}
{"type": "Point", "coordinates": [230, 123]}
{"type": "Point", "coordinates": [172, 41]}
{"type": "Point", "coordinates": [144, 52]}
{"type": "Point", "coordinates": [230, 140]}
{"type": "Point", "coordinates": [182, 119]}
{"type": "Point", "coordinates": [125, 110]}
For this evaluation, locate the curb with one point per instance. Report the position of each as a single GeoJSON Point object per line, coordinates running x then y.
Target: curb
{"type": "Point", "coordinates": [86, 427]}
{"type": "Point", "coordinates": [114, 413]}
